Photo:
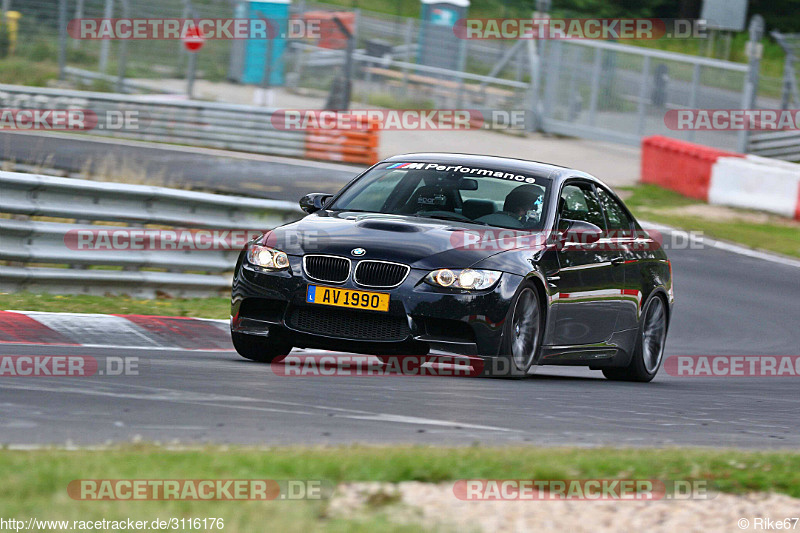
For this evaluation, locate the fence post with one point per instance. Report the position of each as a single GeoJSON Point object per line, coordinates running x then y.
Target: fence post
{"type": "Point", "coordinates": [552, 74]}
{"type": "Point", "coordinates": [693, 96]}
{"type": "Point", "coordinates": [62, 38]}
{"type": "Point", "coordinates": [76, 43]}
{"type": "Point", "coordinates": [462, 67]}
{"type": "Point", "coordinates": [754, 49]}
{"type": "Point", "coordinates": [408, 43]}
{"type": "Point", "coordinates": [123, 51]}
{"type": "Point", "coordinates": [595, 86]}
{"type": "Point", "coordinates": [105, 44]}
{"type": "Point", "coordinates": [641, 115]}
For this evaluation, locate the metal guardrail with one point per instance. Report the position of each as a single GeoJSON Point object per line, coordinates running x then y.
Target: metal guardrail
{"type": "Point", "coordinates": [32, 249]}
{"type": "Point", "coordinates": [196, 123]}
{"type": "Point", "coordinates": [776, 144]}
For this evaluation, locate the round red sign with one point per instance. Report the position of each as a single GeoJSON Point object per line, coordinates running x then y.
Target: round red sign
{"type": "Point", "coordinates": [193, 39]}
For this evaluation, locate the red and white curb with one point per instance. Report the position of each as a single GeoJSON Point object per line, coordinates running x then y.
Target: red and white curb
{"type": "Point", "coordinates": [118, 331]}
{"type": "Point", "coordinates": [722, 178]}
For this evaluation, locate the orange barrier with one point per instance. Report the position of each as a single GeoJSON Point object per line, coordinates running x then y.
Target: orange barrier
{"type": "Point", "coordinates": [679, 165]}
{"type": "Point", "coordinates": [349, 146]}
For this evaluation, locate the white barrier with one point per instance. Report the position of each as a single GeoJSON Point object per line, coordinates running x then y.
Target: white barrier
{"type": "Point", "coordinates": [756, 183]}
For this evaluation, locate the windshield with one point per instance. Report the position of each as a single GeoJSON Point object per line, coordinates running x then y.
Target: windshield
{"type": "Point", "coordinates": [485, 196]}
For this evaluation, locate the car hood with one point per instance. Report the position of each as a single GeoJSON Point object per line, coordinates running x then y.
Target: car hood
{"type": "Point", "coordinates": [415, 241]}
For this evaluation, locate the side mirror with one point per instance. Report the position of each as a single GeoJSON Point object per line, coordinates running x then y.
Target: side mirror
{"type": "Point", "coordinates": [314, 201]}
{"type": "Point", "coordinates": [581, 232]}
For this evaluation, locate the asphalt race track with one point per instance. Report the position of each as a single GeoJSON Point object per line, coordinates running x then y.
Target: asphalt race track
{"type": "Point", "coordinates": [726, 304]}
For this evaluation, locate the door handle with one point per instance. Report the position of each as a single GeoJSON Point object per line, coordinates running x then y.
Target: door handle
{"type": "Point", "coordinates": [617, 261]}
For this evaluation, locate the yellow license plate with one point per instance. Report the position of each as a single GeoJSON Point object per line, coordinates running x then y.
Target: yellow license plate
{"type": "Point", "coordinates": [374, 301]}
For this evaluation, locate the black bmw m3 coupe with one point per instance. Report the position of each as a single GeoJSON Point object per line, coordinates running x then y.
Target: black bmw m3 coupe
{"type": "Point", "coordinates": [508, 262]}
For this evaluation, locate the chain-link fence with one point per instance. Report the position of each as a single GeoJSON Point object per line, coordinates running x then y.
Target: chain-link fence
{"type": "Point", "coordinates": [38, 39]}
{"type": "Point", "coordinates": [585, 88]}
{"type": "Point", "coordinates": [616, 92]}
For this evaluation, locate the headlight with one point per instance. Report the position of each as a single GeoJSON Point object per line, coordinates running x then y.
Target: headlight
{"type": "Point", "coordinates": [267, 257]}
{"type": "Point", "coordinates": [463, 279]}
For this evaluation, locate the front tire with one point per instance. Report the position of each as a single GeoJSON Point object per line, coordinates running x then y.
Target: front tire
{"type": "Point", "coordinates": [258, 348]}
{"type": "Point", "coordinates": [650, 341]}
{"type": "Point", "coordinates": [522, 336]}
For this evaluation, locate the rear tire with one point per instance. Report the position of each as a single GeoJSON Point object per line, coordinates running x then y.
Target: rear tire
{"type": "Point", "coordinates": [522, 336]}
{"type": "Point", "coordinates": [258, 348]}
{"type": "Point", "coordinates": [649, 351]}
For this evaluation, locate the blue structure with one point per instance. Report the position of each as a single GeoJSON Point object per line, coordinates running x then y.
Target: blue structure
{"type": "Point", "coordinates": [438, 44]}
{"type": "Point", "coordinates": [255, 50]}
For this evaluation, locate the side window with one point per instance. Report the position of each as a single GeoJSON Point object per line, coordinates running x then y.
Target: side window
{"type": "Point", "coordinates": [619, 223]}
{"type": "Point", "coordinates": [579, 202]}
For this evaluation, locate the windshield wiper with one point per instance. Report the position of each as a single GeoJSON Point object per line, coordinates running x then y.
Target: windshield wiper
{"type": "Point", "coordinates": [453, 218]}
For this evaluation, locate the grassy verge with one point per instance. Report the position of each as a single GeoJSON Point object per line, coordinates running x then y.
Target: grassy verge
{"type": "Point", "coordinates": [749, 228]}
{"type": "Point", "coordinates": [196, 307]}
{"type": "Point", "coordinates": [35, 482]}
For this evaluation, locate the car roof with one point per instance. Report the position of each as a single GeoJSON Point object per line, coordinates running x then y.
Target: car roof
{"type": "Point", "coordinates": [535, 168]}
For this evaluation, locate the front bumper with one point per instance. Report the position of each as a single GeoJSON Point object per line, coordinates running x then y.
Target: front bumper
{"type": "Point", "coordinates": [420, 317]}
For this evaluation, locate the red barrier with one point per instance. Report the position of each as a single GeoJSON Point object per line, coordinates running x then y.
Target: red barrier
{"type": "Point", "coordinates": [679, 165]}
{"type": "Point", "coordinates": [797, 209]}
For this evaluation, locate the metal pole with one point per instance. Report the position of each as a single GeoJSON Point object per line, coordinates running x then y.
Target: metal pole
{"type": "Point", "coordinates": [462, 66]}
{"type": "Point", "coordinates": [643, 97]}
{"type": "Point", "coordinates": [266, 83]}
{"type": "Point", "coordinates": [595, 86]}
{"type": "Point", "coordinates": [693, 96]}
{"type": "Point", "coordinates": [191, 70]}
{"type": "Point", "coordinates": [182, 51]}
{"type": "Point", "coordinates": [409, 39]}
{"type": "Point", "coordinates": [105, 44]}
{"type": "Point", "coordinates": [552, 76]}
{"type": "Point", "coordinates": [348, 64]}
{"type": "Point", "coordinates": [123, 51]}
{"type": "Point", "coordinates": [76, 43]}
{"type": "Point", "coordinates": [754, 49]}
{"type": "Point", "coordinates": [190, 74]}
{"type": "Point", "coordinates": [62, 38]}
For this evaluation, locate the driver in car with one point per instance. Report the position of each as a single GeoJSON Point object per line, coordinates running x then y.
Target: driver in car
{"type": "Point", "coordinates": [525, 204]}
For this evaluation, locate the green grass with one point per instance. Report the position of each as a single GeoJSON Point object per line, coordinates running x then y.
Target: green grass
{"type": "Point", "coordinates": [35, 482]}
{"type": "Point", "coordinates": [774, 234]}
{"type": "Point", "coordinates": [196, 307]}
{"type": "Point", "coordinates": [20, 71]}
